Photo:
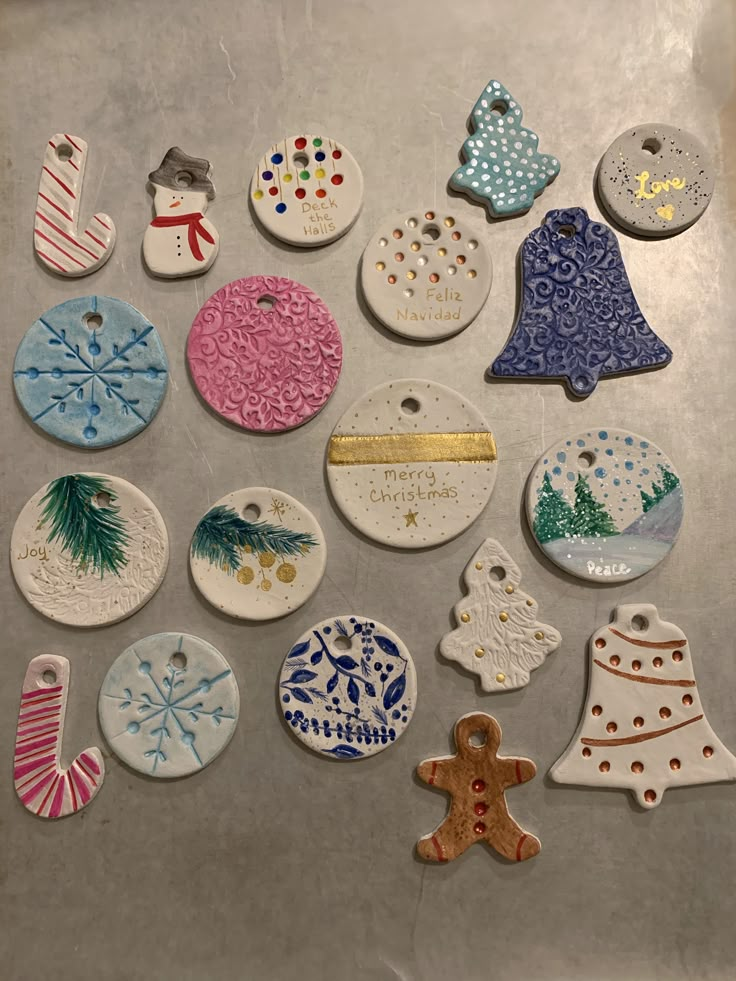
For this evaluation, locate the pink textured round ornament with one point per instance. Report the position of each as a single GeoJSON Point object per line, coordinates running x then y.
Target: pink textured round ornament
{"type": "Point", "coordinates": [265, 353]}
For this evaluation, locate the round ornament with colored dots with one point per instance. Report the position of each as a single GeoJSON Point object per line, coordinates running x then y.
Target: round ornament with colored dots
{"type": "Point", "coordinates": [307, 190]}
{"type": "Point", "coordinates": [656, 180]}
{"type": "Point", "coordinates": [258, 554]}
{"type": "Point", "coordinates": [605, 505]}
{"type": "Point", "coordinates": [425, 275]}
{"type": "Point", "coordinates": [411, 463]}
{"type": "Point", "coordinates": [348, 687]}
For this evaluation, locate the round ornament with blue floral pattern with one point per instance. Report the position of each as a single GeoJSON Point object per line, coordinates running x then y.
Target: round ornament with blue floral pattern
{"type": "Point", "coordinates": [348, 687]}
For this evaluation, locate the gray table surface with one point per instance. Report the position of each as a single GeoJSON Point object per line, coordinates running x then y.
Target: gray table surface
{"type": "Point", "coordinates": [274, 863]}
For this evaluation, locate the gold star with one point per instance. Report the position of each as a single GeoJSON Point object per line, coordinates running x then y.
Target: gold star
{"type": "Point", "coordinates": [411, 518]}
{"type": "Point", "coordinates": [277, 507]}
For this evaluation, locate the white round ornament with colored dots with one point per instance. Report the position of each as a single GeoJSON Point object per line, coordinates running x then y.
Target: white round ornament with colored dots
{"type": "Point", "coordinates": [643, 727]}
{"type": "Point", "coordinates": [425, 274]}
{"type": "Point", "coordinates": [169, 705]}
{"type": "Point", "coordinates": [411, 463]}
{"type": "Point", "coordinates": [348, 687]}
{"type": "Point", "coordinates": [258, 554]}
{"type": "Point", "coordinates": [307, 190]}
{"type": "Point", "coordinates": [605, 505]}
{"type": "Point", "coordinates": [89, 549]}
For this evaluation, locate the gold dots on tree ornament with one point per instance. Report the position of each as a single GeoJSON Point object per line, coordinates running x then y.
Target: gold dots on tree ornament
{"type": "Point", "coordinates": [530, 602]}
{"type": "Point", "coordinates": [380, 266]}
{"type": "Point", "coordinates": [509, 589]}
{"type": "Point", "coordinates": [245, 575]}
{"type": "Point", "coordinates": [597, 710]}
{"type": "Point", "coordinates": [266, 559]}
{"type": "Point", "coordinates": [500, 677]}
{"type": "Point", "coordinates": [286, 572]}
{"type": "Point", "coordinates": [465, 617]}
{"type": "Point", "coordinates": [604, 766]}
{"type": "Point", "coordinates": [539, 635]}
{"type": "Point", "coordinates": [478, 565]}
{"type": "Point", "coordinates": [637, 767]}
{"type": "Point", "coordinates": [480, 651]}
{"type": "Point", "coordinates": [503, 616]}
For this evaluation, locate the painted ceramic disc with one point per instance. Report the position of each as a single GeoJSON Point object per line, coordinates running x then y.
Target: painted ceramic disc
{"type": "Point", "coordinates": [656, 180]}
{"type": "Point", "coordinates": [411, 463]}
{"type": "Point", "coordinates": [348, 687]}
{"type": "Point", "coordinates": [605, 505]}
{"type": "Point", "coordinates": [425, 275]}
{"type": "Point", "coordinates": [91, 371]}
{"type": "Point", "coordinates": [169, 705]}
{"type": "Point", "coordinates": [258, 554]}
{"type": "Point", "coordinates": [307, 190]}
{"type": "Point", "coordinates": [89, 549]}
{"type": "Point", "coordinates": [265, 353]}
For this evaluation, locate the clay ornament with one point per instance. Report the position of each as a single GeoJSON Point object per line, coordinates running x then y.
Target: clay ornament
{"type": "Point", "coordinates": [180, 241]}
{"type": "Point", "coordinates": [476, 779]}
{"type": "Point", "coordinates": [89, 549]}
{"type": "Point", "coordinates": [307, 190]}
{"type": "Point", "coordinates": [57, 239]}
{"type": "Point", "coordinates": [265, 353]}
{"type": "Point", "coordinates": [258, 554]}
{"type": "Point", "coordinates": [91, 371]}
{"type": "Point", "coordinates": [425, 275]}
{"type": "Point", "coordinates": [643, 728]}
{"type": "Point", "coordinates": [656, 180]}
{"type": "Point", "coordinates": [503, 167]}
{"type": "Point", "coordinates": [348, 688]}
{"type": "Point", "coordinates": [605, 505]}
{"type": "Point", "coordinates": [579, 319]}
{"type": "Point", "coordinates": [45, 787]}
{"type": "Point", "coordinates": [411, 463]}
{"type": "Point", "coordinates": [169, 705]}
{"type": "Point", "coordinates": [498, 636]}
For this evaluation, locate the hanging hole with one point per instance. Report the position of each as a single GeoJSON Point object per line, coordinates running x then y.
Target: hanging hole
{"type": "Point", "coordinates": [651, 145]}
{"type": "Point", "coordinates": [183, 179]}
{"type": "Point", "coordinates": [478, 738]}
{"type": "Point", "coordinates": [498, 573]}
{"type": "Point", "coordinates": [251, 512]}
{"type": "Point", "coordinates": [430, 233]}
{"type": "Point", "coordinates": [566, 231]}
{"type": "Point", "coordinates": [178, 660]}
{"type": "Point", "coordinates": [49, 676]}
{"type": "Point", "coordinates": [342, 642]}
{"type": "Point", "coordinates": [586, 460]}
{"type": "Point", "coordinates": [410, 406]}
{"type": "Point", "coordinates": [92, 321]}
{"type": "Point", "coordinates": [639, 623]}
{"type": "Point", "coordinates": [64, 152]}
{"type": "Point", "coordinates": [301, 160]}
{"type": "Point", "coordinates": [499, 108]}
{"type": "Point", "coordinates": [102, 500]}
{"type": "Point", "coordinates": [266, 302]}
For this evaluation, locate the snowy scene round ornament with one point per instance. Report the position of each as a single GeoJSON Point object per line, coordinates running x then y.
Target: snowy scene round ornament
{"type": "Point", "coordinates": [425, 274]}
{"type": "Point", "coordinates": [605, 505]}
{"type": "Point", "coordinates": [89, 549]}
{"type": "Point", "coordinates": [91, 371]}
{"type": "Point", "coordinates": [411, 463]}
{"type": "Point", "coordinates": [169, 705]}
{"type": "Point", "coordinates": [348, 687]}
{"type": "Point", "coordinates": [258, 554]}
{"type": "Point", "coordinates": [307, 190]}
{"type": "Point", "coordinates": [265, 353]}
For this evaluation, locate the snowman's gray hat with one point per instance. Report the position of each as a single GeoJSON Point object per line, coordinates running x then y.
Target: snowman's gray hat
{"type": "Point", "coordinates": [181, 172]}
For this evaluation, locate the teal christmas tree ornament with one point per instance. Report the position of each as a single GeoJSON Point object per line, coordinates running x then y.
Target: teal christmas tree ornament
{"type": "Point", "coordinates": [503, 167]}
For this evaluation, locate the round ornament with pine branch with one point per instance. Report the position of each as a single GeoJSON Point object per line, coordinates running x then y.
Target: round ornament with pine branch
{"type": "Point", "coordinates": [258, 554]}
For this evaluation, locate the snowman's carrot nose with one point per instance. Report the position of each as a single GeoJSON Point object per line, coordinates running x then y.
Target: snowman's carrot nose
{"type": "Point", "coordinates": [176, 204]}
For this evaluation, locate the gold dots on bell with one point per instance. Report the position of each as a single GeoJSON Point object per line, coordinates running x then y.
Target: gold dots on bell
{"type": "Point", "coordinates": [500, 677]}
{"type": "Point", "coordinates": [539, 635]}
{"type": "Point", "coordinates": [509, 589]}
{"type": "Point", "coordinates": [380, 266]}
{"type": "Point", "coordinates": [478, 565]}
{"type": "Point", "coordinates": [480, 651]}
{"type": "Point", "coordinates": [465, 617]}
{"type": "Point", "coordinates": [503, 617]}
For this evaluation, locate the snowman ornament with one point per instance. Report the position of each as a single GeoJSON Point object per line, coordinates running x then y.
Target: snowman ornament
{"type": "Point", "coordinates": [180, 241]}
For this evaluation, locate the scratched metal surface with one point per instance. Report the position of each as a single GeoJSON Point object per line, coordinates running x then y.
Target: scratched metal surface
{"type": "Point", "coordinates": [273, 863]}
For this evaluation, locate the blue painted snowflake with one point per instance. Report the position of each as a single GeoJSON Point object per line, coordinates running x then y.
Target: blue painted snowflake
{"type": "Point", "coordinates": [91, 371]}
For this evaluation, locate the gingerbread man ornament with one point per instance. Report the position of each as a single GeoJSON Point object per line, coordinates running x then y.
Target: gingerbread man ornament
{"type": "Point", "coordinates": [476, 778]}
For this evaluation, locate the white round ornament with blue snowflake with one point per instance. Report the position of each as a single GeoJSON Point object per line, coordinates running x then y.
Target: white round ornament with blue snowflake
{"type": "Point", "coordinates": [605, 505]}
{"type": "Point", "coordinates": [348, 687]}
{"type": "Point", "coordinates": [169, 705]}
{"type": "Point", "coordinates": [91, 371]}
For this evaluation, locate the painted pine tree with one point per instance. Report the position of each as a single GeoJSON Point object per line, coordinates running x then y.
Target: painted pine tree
{"type": "Point", "coordinates": [669, 480]}
{"type": "Point", "coordinates": [553, 516]}
{"type": "Point", "coordinates": [591, 519]}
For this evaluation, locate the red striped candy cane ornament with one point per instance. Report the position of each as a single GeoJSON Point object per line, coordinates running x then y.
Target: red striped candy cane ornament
{"type": "Point", "coordinates": [43, 785]}
{"type": "Point", "coordinates": [58, 242]}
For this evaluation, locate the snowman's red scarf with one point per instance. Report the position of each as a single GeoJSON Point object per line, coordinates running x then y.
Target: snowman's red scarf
{"type": "Point", "coordinates": [196, 228]}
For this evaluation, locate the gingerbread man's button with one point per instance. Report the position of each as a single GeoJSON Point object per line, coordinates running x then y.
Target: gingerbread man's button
{"type": "Point", "coordinates": [476, 778]}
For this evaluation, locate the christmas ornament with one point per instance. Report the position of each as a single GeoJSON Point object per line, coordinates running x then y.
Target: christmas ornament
{"type": "Point", "coordinates": [425, 275]}
{"type": "Point", "coordinates": [579, 318]}
{"type": "Point", "coordinates": [89, 549]}
{"type": "Point", "coordinates": [58, 242]}
{"type": "Point", "coordinates": [497, 636]}
{"type": "Point", "coordinates": [262, 539]}
{"type": "Point", "coordinates": [503, 168]}
{"type": "Point", "coordinates": [307, 190]}
{"type": "Point", "coordinates": [348, 687]}
{"type": "Point", "coordinates": [45, 787]}
{"type": "Point", "coordinates": [643, 728]}
{"type": "Point", "coordinates": [91, 371]}
{"type": "Point", "coordinates": [265, 353]}
{"type": "Point", "coordinates": [169, 705]}
{"type": "Point", "coordinates": [411, 463]}
{"type": "Point", "coordinates": [180, 241]}
{"type": "Point", "coordinates": [656, 180]}
{"type": "Point", "coordinates": [476, 779]}
{"type": "Point", "coordinates": [605, 504]}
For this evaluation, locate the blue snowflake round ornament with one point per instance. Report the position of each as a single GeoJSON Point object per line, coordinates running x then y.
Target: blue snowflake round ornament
{"type": "Point", "coordinates": [348, 687]}
{"type": "Point", "coordinates": [91, 371]}
{"type": "Point", "coordinates": [169, 705]}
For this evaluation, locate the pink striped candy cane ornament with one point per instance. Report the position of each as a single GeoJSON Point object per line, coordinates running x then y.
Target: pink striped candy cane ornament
{"type": "Point", "coordinates": [43, 785]}
{"type": "Point", "coordinates": [59, 243]}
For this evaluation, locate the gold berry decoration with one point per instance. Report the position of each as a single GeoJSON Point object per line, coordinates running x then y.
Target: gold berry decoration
{"type": "Point", "coordinates": [245, 575]}
{"type": "Point", "coordinates": [286, 572]}
{"type": "Point", "coordinates": [266, 559]}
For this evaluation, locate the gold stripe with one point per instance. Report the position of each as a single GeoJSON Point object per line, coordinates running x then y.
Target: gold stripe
{"type": "Point", "coordinates": [345, 451]}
